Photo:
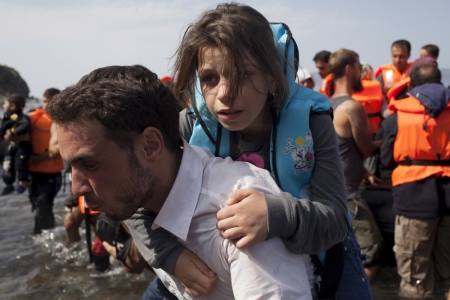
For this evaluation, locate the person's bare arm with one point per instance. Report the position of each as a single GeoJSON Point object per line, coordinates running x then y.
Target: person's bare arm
{"type": "Point", "coordinates": [53, 147]}
{"type": "Point", "coordinates": [359, 123]}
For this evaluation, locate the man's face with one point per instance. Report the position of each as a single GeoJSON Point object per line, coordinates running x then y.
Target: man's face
{"type": "Point", "coordinates": [400, 58]}
{"type": "Point", "coordinates": [322, 68]}
{"type": "Point", "coordinates": [7, 107]}
{"type": "Point", "coordinates": [424, 53]}
{"type": "Point", "coordinates": [109, 177]}
{"type": "Point", "coordinates": [44, 103]}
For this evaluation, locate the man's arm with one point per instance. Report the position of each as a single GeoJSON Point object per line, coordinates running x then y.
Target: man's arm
{"type": "Point", "coordinates": [53, 147]}
{"type": "Point", "coordinates": [359, 123]}
{"type": "Point", "coordinates": [162, 250]}
{"type": "Point", "coordinates": [134, 262]}
{"type": "Point", "coordinates": [390, 128]}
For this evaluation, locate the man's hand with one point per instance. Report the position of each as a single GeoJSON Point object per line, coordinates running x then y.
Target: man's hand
{"type": "Point", "coordinates": [374, 180]}
{"type": "Point", "coordinates": [244, 220]}
{"type": "Point", "coordinates": [196, 277]}
{"type": "Point", "coordinates": [8, 136]}
{"type": "Point", "coordinates": [111, 249]}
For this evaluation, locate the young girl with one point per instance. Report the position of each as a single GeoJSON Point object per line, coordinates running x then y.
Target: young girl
{"type": "Point", "coordinates": [250, 108]}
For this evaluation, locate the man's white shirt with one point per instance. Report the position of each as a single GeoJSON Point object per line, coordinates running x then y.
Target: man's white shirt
{"type": "Point", "coordinates": [267, 270]}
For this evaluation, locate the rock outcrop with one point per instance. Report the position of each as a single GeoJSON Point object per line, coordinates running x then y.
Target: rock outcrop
{"type": "Point", "coordinates": [11, 82]}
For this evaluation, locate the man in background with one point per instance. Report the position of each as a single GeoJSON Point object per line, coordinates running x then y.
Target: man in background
{"type": "Point", "coordinates": [390, 74]}
{"type": "Point", "coordinates": [355, 143]}
{"type": "Point", "coordinates": [327, 85]}
{"type": "Point", "coordinates": [429, 50]}
{"type": "Point", "coordinates": [416, 145]}
{"type": "Point", "coordinates": [45, 165]}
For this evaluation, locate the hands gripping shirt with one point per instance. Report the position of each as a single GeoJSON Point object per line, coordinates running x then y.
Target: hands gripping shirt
{"type": "Point", "coordinates": [264, 271]}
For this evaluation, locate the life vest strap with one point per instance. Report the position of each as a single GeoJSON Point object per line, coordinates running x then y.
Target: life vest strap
{"type": "Point", "coordinates": [424, 162]}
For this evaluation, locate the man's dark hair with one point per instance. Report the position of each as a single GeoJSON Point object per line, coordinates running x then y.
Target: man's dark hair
{"type": "Point", "coordinates": [339, 60]}
{"type": "Point", "coordinates": [17, 100]}
{"type": "Point", "coordinates": [49, 93]}
{"type": "Point", "coordinates": [425, 74]}
{"type": "Point", "coordinates": [432, 49]}
{"type": "Point", "coordinates": [125, 100]}
{"type": "Point", "coordinates": [322, 56]}
{"type": "Point", "coordinates": [402, 44]}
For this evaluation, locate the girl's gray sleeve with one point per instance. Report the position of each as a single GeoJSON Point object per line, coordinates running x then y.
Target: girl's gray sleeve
{"type": "Point", "coordinates": [158, 247]}
{"type": "Point", "coordinates": [314, 225]}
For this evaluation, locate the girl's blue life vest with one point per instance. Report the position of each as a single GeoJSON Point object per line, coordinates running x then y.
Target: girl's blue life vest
{"type": "Point", "coordinates": [292, 147]}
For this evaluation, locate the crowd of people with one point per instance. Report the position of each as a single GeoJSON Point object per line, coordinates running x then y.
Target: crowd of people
{"type": "Point", "coordinates": [235, 179]}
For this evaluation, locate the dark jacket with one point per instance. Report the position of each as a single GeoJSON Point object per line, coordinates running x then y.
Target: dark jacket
{"type": "Point", "coordinates": [425, 198]}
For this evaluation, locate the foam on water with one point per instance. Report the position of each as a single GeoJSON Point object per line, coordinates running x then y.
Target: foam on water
{"type": "Point", "coordinates": [43, 267]}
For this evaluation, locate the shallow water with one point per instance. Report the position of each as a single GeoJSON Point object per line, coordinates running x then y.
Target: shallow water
{"type": "Point", "coordinates": [42, 267]}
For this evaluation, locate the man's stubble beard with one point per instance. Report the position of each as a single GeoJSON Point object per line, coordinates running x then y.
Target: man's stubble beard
{"type": "Point", "coordinates": [140, 189]}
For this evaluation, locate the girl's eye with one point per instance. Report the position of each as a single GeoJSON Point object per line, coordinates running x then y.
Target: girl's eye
{"type": "Point", "coordinates": [209, 79]}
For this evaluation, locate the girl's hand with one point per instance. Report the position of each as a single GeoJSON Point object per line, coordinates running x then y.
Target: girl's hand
{"type": "Point", "coordinates": [196, 277]}
{"type": "Point", "coordinates": [244, 221]}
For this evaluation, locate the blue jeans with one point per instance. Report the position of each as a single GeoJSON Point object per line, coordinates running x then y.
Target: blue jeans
{"type": "Point", "coordinates": [354, 283]}
{"type": "Point", "coordinates": [157, 291]}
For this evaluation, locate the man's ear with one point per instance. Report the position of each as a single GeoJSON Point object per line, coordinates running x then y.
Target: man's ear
{"type": "Point", "coordinates": [348, 69]}
{"type": "Point", "coordinates": [151, 144]}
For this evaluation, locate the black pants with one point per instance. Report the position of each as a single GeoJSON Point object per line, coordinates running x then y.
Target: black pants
{"type": "Point", "coordinates": [43, 189]}
{"type": "Point", "coordinates": [16, 160]}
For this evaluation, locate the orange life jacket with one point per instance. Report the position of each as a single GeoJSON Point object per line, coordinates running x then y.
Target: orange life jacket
{"type": "Point", "coordinates": [371, 97]}
{"type": "Point", "coordinates": [82, 206]}
{"type": "Point", "coordinates": [422, 145]}
{"type": "Point", "coordinates": [40, 139]}
{"type": "Point", "coordinates": [391, 74]}
{"type": "Point", "coordinates": [397, 89]}
{"type": "Point", "coordinates": [327, 86]}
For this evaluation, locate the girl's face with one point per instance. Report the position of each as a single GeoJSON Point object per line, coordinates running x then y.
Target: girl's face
{"type": "Point", "coordinates": [249, 112]}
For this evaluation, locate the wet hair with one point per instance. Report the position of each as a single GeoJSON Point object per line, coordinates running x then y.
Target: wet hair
{"type": "Point", "coordinates": [125, 100]}
{"type": "Point", "coordinates": [49, 93]}
{"type": "Point", "coordinates": [340, 59]}
{"type": "Point", "coordinates": [240, 31]}
{"type": "Point", "coordinates": [322, 56]}
{"type": "Point", "coordinates": [17, 100]}
{"type": "Point", "coordinates": [402, 44]}
{"type": "Point", "coordinates": [432, 49]}
{"type": "Point", "coordinates": [422, 74]}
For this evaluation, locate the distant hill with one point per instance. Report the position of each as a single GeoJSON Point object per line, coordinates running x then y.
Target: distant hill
{"type": "Point", "coordinates": [12, 82]}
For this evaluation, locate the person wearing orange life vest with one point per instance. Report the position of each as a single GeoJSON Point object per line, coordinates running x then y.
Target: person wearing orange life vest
{"type": "Point", "coordinates": [45, 165]}
{"type": "Point", "coordinates": [388, 75]}
{"type": "Point", "coordinates": [371, 98]}
{"type": "Point", "coordinates": [416, 144]}
{"type": "Point", "coordinates": [327, 85]}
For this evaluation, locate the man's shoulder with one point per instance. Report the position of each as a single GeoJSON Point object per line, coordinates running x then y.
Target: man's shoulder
{"type": "Point", "coordinates": [342, 102]}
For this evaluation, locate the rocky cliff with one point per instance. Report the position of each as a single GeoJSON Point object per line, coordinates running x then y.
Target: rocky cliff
{"type": "Point", "coordinates": [11, 82]}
